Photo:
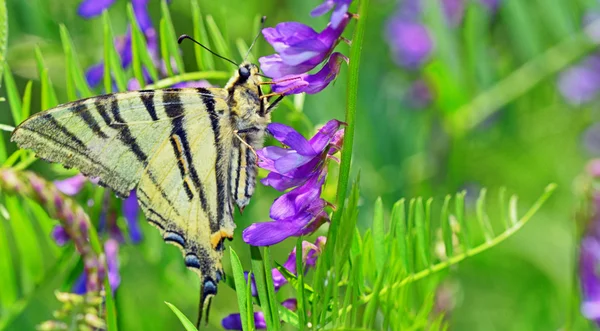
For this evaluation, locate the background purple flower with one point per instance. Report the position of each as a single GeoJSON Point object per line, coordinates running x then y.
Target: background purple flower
{"type": "Point", "coordinates": [409, 41]}
{"type": "Point", "coordinates": [131, 212]}
{"type": "Point", "coordinates": [581, 83]}
{"type": "Point", "coordinates": [72, 185]}
{"type": "Point", "coordinates": [340, 8]}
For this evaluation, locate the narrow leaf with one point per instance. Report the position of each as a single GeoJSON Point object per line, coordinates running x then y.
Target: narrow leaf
{"type": "Point", "coordinates": [459, 204]}
{"type": "Point", "coordinates": [258, 270]}
{"type": "Point", "coordinates": [112, 60]}
{"type": "Point", "coordinates": [399, 224]}
{"type": "Point", "coordinates": [189, 326]}
{"type": "Point", "coordinates": [482, 217]}
{"type": "Point", "coordinates": [300, 286]}
{"type": "Point", "coordinates": [420, 232]}
{"type": "Point", "coordinates": [3, 35]}
{"type": "Point", "coordinates": [49, 98]}
{"type": "Point", "coordinates": [203, 58]}
{"type": "Point", "coordinates": [379, 236]}
{"type": "Point", "coordinates": [171, 38]}
{"type": "Point", "coordinates": [221, 46]}
{"type": "Point", "coordinates": [447, 232]}
{"type": "Point", "coordinates": [75, 74]}
{"type": "Point", "coordinates": [139, 52]}
{"type": "Point", "coordinates": [14, 98]}
{"type": "Point", "coordinates": [271, 287]}
{"type": "Point", "coordinates": [111, 310]}
{"type": "Point", "coordinates": [240, 287]}
{"type": "Point", "coordinates": [26, 110]}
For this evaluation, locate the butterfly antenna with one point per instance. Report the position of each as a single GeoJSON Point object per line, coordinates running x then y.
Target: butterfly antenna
{"type": "Point", "coordinates": [185, 36]}
{"type": "Point", "coordinates": [262, 26]}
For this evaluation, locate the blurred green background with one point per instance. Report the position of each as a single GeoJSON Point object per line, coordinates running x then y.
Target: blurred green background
{"type": "Point", "coordinates": [532, 137]}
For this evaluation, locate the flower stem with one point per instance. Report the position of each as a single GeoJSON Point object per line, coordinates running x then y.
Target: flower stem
{"type": "Point", "coordinates": [189, 76]}
{"type": "Point", "coordinates": [351, 103]}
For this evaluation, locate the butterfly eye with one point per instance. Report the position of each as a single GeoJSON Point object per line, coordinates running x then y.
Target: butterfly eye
{"type": "Point", "coordinates": [244, 72]}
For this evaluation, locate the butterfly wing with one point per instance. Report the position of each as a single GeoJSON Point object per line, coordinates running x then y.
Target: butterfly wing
{"type": "Point", "coordinates": [171, 144]}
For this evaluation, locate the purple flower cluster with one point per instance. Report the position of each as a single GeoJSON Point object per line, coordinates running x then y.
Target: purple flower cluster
{"type": "Point", "coordinates": [310, 253]}
{"type": "Point", "coordinates": [302, 168]}
{"type": "Point", "coordinates": [300, 49]}
{"type": "Point", "coordinates": [94, 74]}
{"type": "Point", "coordinates": [589, 254]}
{"type": "Point", "coordinates": [108, 223]}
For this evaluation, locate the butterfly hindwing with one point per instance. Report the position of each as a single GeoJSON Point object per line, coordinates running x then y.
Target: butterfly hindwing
{"type": "Point", "coordinates": [183, 188]}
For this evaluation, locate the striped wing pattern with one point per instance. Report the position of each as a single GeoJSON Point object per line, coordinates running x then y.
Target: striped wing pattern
{"type": "Point", "coordinates": [174, 145]}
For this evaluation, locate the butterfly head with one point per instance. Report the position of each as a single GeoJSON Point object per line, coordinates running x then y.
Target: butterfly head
{"type": "Point", "coordinates": [245, 95]}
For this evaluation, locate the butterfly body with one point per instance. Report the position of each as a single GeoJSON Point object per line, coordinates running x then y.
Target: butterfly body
{"type": "Point", "coordinates": [188, 153]}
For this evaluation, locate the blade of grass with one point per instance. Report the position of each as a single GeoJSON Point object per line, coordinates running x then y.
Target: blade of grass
{"type": "Point", "coordinates": [271, 287]}
{"type": "Point", "coordinates": [3, 35]}
{"type": "Point", "coordinates": [399, 222]}
{"type": "Point", "coordinates": [300, 286]}
{"type": "Point", "coordinates": [139, 51]}
{"type": "Point", "coordinates": [379, 235]}
{"type": "Point", "coordinates": [112, 60]}
{"type": "Point", "coordinates": [49, 98]}
{"type": "Point", "coordinates": [164, 51]}
{"type": "Point", "coordinates": [420, 232]}
{"type": "Point", "coordinates": [221, 46]}
{"type": "Point", "coordinates": [240, 287]}
{"type": "Point", "coordinates": [111, 310]}
{"type": "Point", "coordinates": [446, 228]}
{"type": "Point", "coordinates": [75, 77]}
{"type": "Point", "coordinates": [13, 96]}
{"type": "Point", "coordinates": [483, 218]}
{"type": "Point", "coordinates": [261, 285]}
{"type": "Point", "coordinates": [26, 109]}
{"type": "Point", "coordinates": [249, 304]}
{"type": "Point", "coordinates": [171, 38]}
{"type": "Point", "coordinates": [203, 58]}
{"type": "Point", "coordinates": [189, 326]}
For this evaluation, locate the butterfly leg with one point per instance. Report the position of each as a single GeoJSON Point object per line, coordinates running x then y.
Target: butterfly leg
{"type": "Point", "coordinates": [237, 134]}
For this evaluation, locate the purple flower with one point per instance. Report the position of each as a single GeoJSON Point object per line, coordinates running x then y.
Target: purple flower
{"type": "Point", "coordinates": [131, 211]}
{"type": "Point", "coordinates": [60, 236]}
{"type": "Point", "coordinates": [295, 213]}
{"type": "Point", "coordinates": [234, 321]}
{"type": "Point", "coordinates": [111, 251]}
{"type": "Point", "coordinates": [292, 166]}
{"type": "Point", "coordinates": [291, 304]}
{"type": "Point", "coordinates": [92, 8]}
{"type": "Point", "coordinates": [341, 8]}
{"type": "Point", "coordinates": [300, 211]}
{"type": "Point", "coordinates": [299, 47]}
{"type": "Point", "coordinates": [581, 83]}
{"type": "Point", "coordinates": [72, 185]}
{"type": "Point", "coordinates": [589, 256]}
{"type": "Point", "coordinates": [310, 83]}
{"type": "Point", "coordinates": [409, 41]}
{"type": "Point", "coordinates": [453, 10]}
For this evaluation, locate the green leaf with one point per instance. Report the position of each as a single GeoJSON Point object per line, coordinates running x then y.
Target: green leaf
{"type": "Point", "coordinates": [258, 270]}
{"type": "Point", "coordinates": [14, 98]}
{"type": "Point", "coordinates": [379, 236]}
{"type": "Point", "coordinates": [447, 232]}
{"type": "Point", "coordinates": [249, 304]}
{"type": "Point", "coordinates": [139, 51]}
{"type": "Point", "coordinates": [347, 227]}
{"type": "Point", "coordinates": [301, 301]}
{"type": "Point", "coordinates": [482, 217]}
{"type": "Point", "coordinates": [111, 310]}
{"type": "Point", "coordinates": [221, 46]}
{"type": "Point", "coordinates": [49, 98]}
{"type": "Point", "coordinates": [3, 36]}
{"type": "Point", "coordinates": [204, 59]}
{"type": "Point", "coordinates": [168, 33]}
{"type": "Point", "coordinates": [112, 61]}
{"type": "Point", "coordinates": [182, 318]}
{"type": "Point", "coordinates": [240, 287]}
{"type": "Point", "coordinates": [26, 109]}
{"type": "Point", "coordinates": [74, 74]}
{"type": "Point", "coordinates": [399, 225]}
{"type": "Point", "coordinates": [420, 231]}
{"type": "Point", "coordinates": [270, 286]}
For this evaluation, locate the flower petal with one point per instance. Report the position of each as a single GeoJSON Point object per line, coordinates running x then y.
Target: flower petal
{"type": "Point", "coordinates": [91, 8]}
{"type": "Point", "coordinates": [271, 233]}
{"type": "Point", "coordinates": [234, 321]}
{"type": "Point", "coordinates": [60, 236]}
{"type": "Point", "coordinates": [320, 140]}
{"type": "Point", "coordinates": [131, 213]}
{"type": "Point", "coordinates": [290, 137]}
{"type": "Point", "coordinates": [94, 74]}
{"type": "Point", "coordinates": [71, 185]}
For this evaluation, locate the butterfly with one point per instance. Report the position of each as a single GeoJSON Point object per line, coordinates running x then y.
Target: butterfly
{"type": "Point", "coordinates": [188, 153]}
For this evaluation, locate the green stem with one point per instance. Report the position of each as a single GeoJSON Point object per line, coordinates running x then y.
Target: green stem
{"type": "Point", "coordinates": [351, 101]}
{"type": "Point", "coordinates": [523, 79]}
{"type": "Point", "coordinates": [458, 258]}
{"type": "Point", "coordinates": [189, 76]}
